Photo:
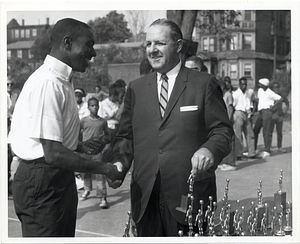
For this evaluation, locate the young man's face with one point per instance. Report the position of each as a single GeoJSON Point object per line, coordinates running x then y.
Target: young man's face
{"type": "Point", "coordinates": [93, 107]}
{"type": "Point", "coordinates": [82, 50]}
{"type": "Point", "coordinates": [243, 85]}
{"type": "Point", "coordinates": [162, 51]}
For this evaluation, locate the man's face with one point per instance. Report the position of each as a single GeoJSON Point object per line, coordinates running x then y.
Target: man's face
{"type": "Point", "coordinates": [276, 88]}
{"type": "Point", "coordinates": [82, 50]}
{"type": "Point", "coordinates": [243, 85]}
{"type": "Point", "coordinates": [9, 85]}
{"type": "Point", "coordinates": [162, 51]}
{"type": "Point", "coordinates": [192, 65]}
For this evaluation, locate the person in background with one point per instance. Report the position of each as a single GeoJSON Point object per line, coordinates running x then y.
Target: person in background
{"type": "Point", "coordinates": [175, 126]}
{"type": "Point", "coordinates": [278, 111]}
{"type": "Point", "coordinates": [12, 159]}
{"type": "Point", "coordinates": [99, 94]}
{"type": "Point", "coordinates": [44, 135]}
{"type": "Point", "coordinates": [266, 100]}
{"type": "Point", "coordinates": [81, 105]}
{"type": "Point", "coordinates": [145, 67]}
{"type": "Point", "coordinates": [228, 163]}
{"type": "Point", "coordinates": [196, 63]}
{"type": "Point", "coordinates": [110, 106]}
{"type": "Point", "coordinates": [94, 126]}
{"type": "Point", "coordinates": [243, 111]}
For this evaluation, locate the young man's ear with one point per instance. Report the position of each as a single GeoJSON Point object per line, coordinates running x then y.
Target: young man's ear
{"type": "Point", "coordinates": [68, 42]}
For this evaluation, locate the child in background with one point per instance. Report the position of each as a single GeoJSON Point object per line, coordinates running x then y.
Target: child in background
{"type": "Point", "coordinates": [94, 126]}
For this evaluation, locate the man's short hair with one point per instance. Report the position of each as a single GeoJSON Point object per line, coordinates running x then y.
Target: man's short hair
{"type": "Point", "coordinates": [242, 78]}
{"type": "Point", "coordinates": [176, 33]}
{"type": "Point", "coordinates": [121, 83]}
{"type": "Point", "coordinates": [64, 27]}
{"type": "Point", "coordinates": [115, 89]}
{"type": "Point", "coordinates": [195, 59]}
{"type": "Point", "coordinates": [92, 99]}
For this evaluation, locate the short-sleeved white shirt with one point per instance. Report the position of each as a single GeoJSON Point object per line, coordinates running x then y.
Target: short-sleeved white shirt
{"type": "Point", "coordinates": [47, 109]}
{"type": "Point", "coordinates": [266, 98]}
{"type": "Point", "coordinates": [242, 101]}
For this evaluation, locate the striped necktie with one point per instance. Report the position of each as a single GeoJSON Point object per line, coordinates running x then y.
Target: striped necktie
{"type": "Point", "coordinates": [163, 100]}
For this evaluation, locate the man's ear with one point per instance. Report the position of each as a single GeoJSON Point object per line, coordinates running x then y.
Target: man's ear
{"type": "Point", "coordinates": [68, 42]}
{"type": "Point", "coordinates": [179, 45]}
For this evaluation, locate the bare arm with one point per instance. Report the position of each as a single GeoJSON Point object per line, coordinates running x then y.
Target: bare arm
{"type": "Point", "coordinates": [58, 155]}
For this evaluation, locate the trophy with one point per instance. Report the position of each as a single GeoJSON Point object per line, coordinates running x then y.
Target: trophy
{"type": "Point", "coordinates": [127, 227]}
{"type": "Point", "coordinates": [288, 229]}
{"type": "Point", "coordinates": [280, 196]}
{"type": "Point", "coordinates": [189, 219]}
{"type": "Point", "coordinates": [185, 199]}
{"type": "Point", "coordinates": [199, 219]}
{"type": "Point", "coordinates": [263, 225]}
{"type": "Point", "coordinates": [280, 232]}
{"type": "Point", "coordinates": [260, 209]}
{"type": "Point", "coordinates": [273, 221]}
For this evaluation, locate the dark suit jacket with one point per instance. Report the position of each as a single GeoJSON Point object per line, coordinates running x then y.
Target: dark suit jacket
{"type": "Point", "coordinates": [167, 145]}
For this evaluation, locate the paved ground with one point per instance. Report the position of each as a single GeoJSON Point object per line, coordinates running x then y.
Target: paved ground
{"type": "Point", "coordinates": [95, 222]}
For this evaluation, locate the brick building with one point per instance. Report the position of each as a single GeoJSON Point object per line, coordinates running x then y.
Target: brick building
{"type": "Point", "coordinates": [20, 39]}
{"type": "Point", "coordinates": [261, 36]}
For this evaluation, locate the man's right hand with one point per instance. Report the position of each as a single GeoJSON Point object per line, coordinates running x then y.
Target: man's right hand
{"type": "Point", "coordinates": [115, 183]}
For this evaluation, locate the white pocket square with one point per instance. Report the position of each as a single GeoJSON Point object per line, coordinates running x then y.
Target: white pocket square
{"type": "Point", "coordinates": [188, 108]}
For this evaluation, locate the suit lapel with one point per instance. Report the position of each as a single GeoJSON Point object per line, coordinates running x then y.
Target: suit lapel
{"type": "Point", "coordinates": [179, 87]}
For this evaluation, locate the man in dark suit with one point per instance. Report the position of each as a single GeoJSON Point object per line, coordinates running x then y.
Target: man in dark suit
{"type": "Point", "coordinates": [192, 134]}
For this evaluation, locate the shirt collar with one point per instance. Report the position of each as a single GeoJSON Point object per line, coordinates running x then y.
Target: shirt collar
{"type": "Point", "coordinates": [172, 73]}
{"type": "Point", "coordinates": [59, 67]}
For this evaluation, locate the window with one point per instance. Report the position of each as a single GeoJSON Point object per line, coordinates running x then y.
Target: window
{"type": "Point", "coordinates": [19, 53]}
{"type": "Point", "coordinates": [247, 14]}
{"type": "Point", "coordinates": [233, 42]}
{"type": "Point", "coordinates": [247, 41]}
{"type": "Point", "coordinates": [247, 69]}
{"type": "Point", "coordinates": [27, 33]}
{"type": "Point", "coordinates": [33, 32]}
{"type": "Point", "coordinates": [17, 33]}
{"type": "Point", "coordinates": [22, 33]}
{"type": "Point", "coordinates": [233, 71]}
{"type": "Point", "coordinates": [211, 44]}
{"type": "Point", "coordinates": [205, 44]}
{"type": "Point", "coordinates": [223, 44]}
{"type": "Point", "coordinates": [8, 54]}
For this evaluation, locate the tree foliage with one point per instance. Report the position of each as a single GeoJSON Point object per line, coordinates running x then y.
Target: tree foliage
{"type": "Point", "coordinates": [217, 21]}
{"type": "Point", "coordinates": [19, 71]}
{"type": "Point", "coordinates": [137, 21]}
{"type": "Point", "coordinates": [42, 45]}
{"type": "Point", "coordinates": [111, 28]}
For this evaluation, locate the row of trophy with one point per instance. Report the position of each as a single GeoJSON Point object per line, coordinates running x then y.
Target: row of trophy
{"type": "Point", "coordinates": [259, 220]}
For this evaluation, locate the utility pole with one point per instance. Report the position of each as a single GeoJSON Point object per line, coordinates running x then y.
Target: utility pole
{"type": "Point", "coordinates": [274, 33]}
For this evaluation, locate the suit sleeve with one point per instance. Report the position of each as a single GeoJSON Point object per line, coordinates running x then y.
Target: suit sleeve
{"type": "Point", "coordinates": [218, 127]}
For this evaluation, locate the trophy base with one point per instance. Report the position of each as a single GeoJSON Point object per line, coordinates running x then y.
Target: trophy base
{"type": "Point", "coordinates": [280, 199]}
{"type": "Point", "coordinates": [287, 230]}
{"type": "Point", "coordinates": [280, 233]}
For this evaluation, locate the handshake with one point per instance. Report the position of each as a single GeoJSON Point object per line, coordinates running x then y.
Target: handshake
{"type": "Point", "coordinates": [113, 172]}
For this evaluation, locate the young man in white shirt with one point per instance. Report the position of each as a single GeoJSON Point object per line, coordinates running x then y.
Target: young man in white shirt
{"type": "Point", "coordinates": [266, 100]}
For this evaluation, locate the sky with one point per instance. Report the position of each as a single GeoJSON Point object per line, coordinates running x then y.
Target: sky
{"type": "Point", "coordinates": [39, 17]}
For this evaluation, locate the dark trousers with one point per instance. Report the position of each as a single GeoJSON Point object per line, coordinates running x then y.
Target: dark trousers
{"type": "Point", "coordinates": [263, 120]}
{"type": "Point", "coordinates": [45, 199]}
{"type": "Point", "coordinates": [278, 122]}
{"type": "Point", "coordinates": [158, 221]}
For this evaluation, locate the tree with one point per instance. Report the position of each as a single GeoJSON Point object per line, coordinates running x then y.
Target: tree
{"type": "Point", "coordinates": [42, 45]}
{"type": "Point", "coordinates": [137, 21]}
{"type": "Point", "coordinates": [19, 71]}
{"type": "Point", "coordinates": [111, 28]}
